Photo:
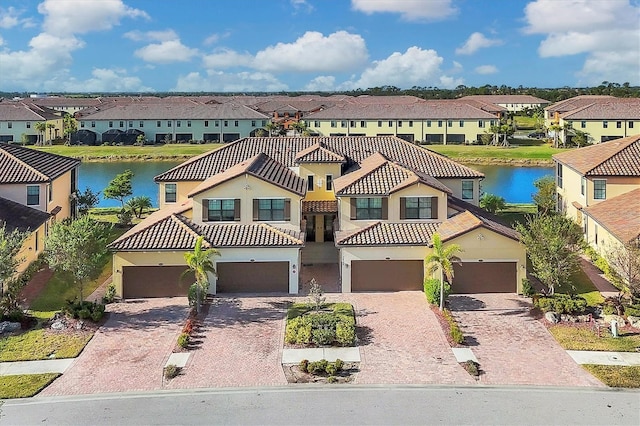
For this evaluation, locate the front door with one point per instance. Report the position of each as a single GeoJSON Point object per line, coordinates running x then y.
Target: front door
{"type": "Point", "coordinates": [328, 226]}
{"type": "Point", "coordinates": [310, 228]}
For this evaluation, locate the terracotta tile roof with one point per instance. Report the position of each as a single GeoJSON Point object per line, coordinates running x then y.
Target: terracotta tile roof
{"type": "Point", "coordinates": [17, 216]}
{"type": "Point", "coordinates": [388, 234]}
{"type": "Point", "coordinates": [262, 167]}
{"type": "Point", "coordinates": [480, 217]}
{"type": "Point", "coordinates": [606, 109]}
{"type": "Point", "coordinates": [284, 149]}
{"type": "Point", "coordinates": [171, 111]}
{"type": "Point", "coordinates": [26, 111]}
{"type": "Point", "coordinates": [618, 157]}
{"type": "Point", "coordinates": [379, 176]}
{"type": "Point", "coordinates": [25, 165]}
{"type": "Point", "coordinates": [251, 235]}
{"type": "Point", "coordinates": [576, 102]}
{"type": "Point", "coordinates": [323, 206]}
{"type": "Point", "coordinates": [507, 99]}
{"type": "Point", "coordinates": [318, 153]}
{"type": "Point", "coordinates": [619, 215]}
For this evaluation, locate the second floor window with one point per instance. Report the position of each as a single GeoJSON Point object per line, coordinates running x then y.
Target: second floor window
{"type": "Point", "coordinates": [310, 183]}
{"type": "Point", "coordinates": [170, 192]}
{"type": "Point", "coordinates": [329, 183]}
{"type": "Point", "coordinates": [418, 208]}
{"type": "Point", "coordinates": [583, 185]}
{"type": "Point", "coordinates": [33, 195]}
{"type": "Point", "coordinates": [599, 189]}
{"type": "Point", "coordinates": [222, 210]}
{"type": "Point", "coordinates": [559, 175]}
{"type": "Point", "coordinates": [467, 190]}
{"type": "Point", "coordinates": [271, 209]}
{"type": "Point", "coordinates": [368, 208]}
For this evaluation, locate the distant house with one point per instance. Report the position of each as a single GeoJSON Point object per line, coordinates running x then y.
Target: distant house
{"type": "Point", "coordinates": [370, 205]}
{"type": "Point", "coordinates": [18, 122]}
{"type": "Point", "coordinates": [598, 187]}
{"type": "Point", "coordinates": [512, 103]}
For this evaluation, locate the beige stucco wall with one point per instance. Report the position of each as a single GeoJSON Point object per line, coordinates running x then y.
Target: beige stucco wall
{"type": "Point", "coordinates": [31, 248]}
{"type": "Point", "coordinates": [455, 185]}
{"type": "Point", "coordinates": [596, 129]}
{"type": "Point", "coordinates": [246, 188]}
{"type": "Point", "coordinates": [182, 189]}
{"type": "Point", "coordinates": [18, 193]}
{"type": "Point", "coordinates": [61, 192]}
{"type": "Point", "coordinates": [598, 237]}
{"type": "Point", "coordinates": [319, 171]}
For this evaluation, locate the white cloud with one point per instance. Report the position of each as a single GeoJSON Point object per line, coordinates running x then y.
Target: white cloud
{"type": "Point", "coordinates": [1, 41]}
{"type": "Point", "coordinates": [165, 35]}
{"type": "Point", "coordinates": [322, 83]}
{"type": "Point", "coordinates": [64, 17]}
{"type": "Point", "coordinates": [166, 52]}
{"type": "Point", "coordinates": [313, 52]}
{"type": "Point", "coordinates": [10, 17]}
{"type": "Point", "coordinates": [218, 81]}
{"type": "Point", "coordinates": [302, 5]}
{"type": "Point", "coordinates": [603, 30]}
{"type": "Point", "coordinates": [409, 10]}
{"type": "Point", "coordinates": [214, 38]}
{"type": "Point", "coordinates": [486, 69]}
{"type": "Point", "coordinates": [226, 58]}
{"type": "Point", "coordinates": [415, 67]}
{"type": "Point", "coordinates": [475, 42]}
{"type": "Point", "coordinates": [104, 80]}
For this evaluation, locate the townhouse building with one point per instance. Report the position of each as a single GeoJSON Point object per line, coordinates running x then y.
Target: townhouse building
{"type": "Point", "coordinates": [511, 103]}
{"type": "Point", "coordinates": [18, 121]}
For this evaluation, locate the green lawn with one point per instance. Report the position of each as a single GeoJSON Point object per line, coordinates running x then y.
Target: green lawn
{"type": "Point", "coordinates": [168, 151]}
{"type": "Point", "coordinates": [583, 287]}
{"type": "Point", "coordinates": [25, 385]}
{"type": "Point", "coordinates": [616, 376]}
{"type": "Point", "coordinates": [515, 213]}
{"type": "Point", "coordinates": [585, 339]}
{"type": "Point", "coordinates": [110, 215]}
{"type": "Point", "coordinates": [524, 122]}
{"type": "Point", "coordinates": [41, 344]}
{"type": "Point", "coordinates": [467, 153]}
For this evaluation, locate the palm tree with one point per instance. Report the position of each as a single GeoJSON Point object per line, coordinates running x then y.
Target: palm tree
{"type": "Point", "coordinates": [492, 203]}
{"type": "Point", "coordinates": [272, 128]}
{"type": "Point", "coordinates": [443, 258]}
{"type": "Point", "coordinates": [41, 127]}
{"type": "Point", "coordinates": [50, 126]}
{"type": "Point", "coordinates": [138, 204]}
{"type": "Point", "coordinates": [200, 263]}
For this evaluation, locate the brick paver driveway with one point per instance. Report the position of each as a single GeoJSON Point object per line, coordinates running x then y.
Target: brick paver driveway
{"type": "Point", "coordinates": [129, 351]}
{"type": "Point", "coordinates": [512, 347]}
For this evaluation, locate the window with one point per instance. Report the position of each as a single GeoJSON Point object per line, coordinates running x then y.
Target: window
{"type": "Point", "coordinates": [206, 123]}
{"type": "Point", "coordinates": [236, 123]}
{"type": "Point", "coordinates": [316, 124]}
{"type": "Point", "coordinates": [50, 190]}
{"type": "Point", "coordinates": [416, 208]}
{"type": "Point", "coordinates": [461, 123]}
{"type": "Point", "coordinates": [599, 189]}
{"type": "Point", "coordinates": [390, 123]}
{"type": "Point", "coordinates": [439, 123]}
{"type": "Point", "coordinates": [467, 190]}
{"type": "Point", "coordinates": [631, 124]}
{"type": "Point", "coordinates": [81, 124]}
{"type": "Point", "coordinates": [178, 123]}
{"type": "Point", "coordinates": [168, 123]}
{"type": "Point", "coordinates": [363, 124]}
{"type": "Point", "coordinates": [216, 123]}
{"type": "Point", "coordinates": [111, 124]}
{"type": "Point", "coordinates": [480, 123]}
{"type": "Point", "coordinates": [221, 210]}
{"type": "Point", "coordinates": [141, 124]}
{"type": "Point", "coordinates": [368, 208]}
{"type": "Point", "coordinates": [29, 125]}
{"type": "Point", "coordinates": [449, 123]}
{"type": "Point", "coordinates": [33, 195]}
{"type": "Point", "coordinates": [93, 124]}
{"type": "Point", "coordinates": [170, 192]}
{"type": "Point", "coordinates": [605, 124]}
{"type": "Point", "coordinates": [618, 124]}
{"type": "Point", "coordinates": [9, 125]}
{"type": "Point", "coordinates": [270, 209]}
{"type": "Point", "coordinates": [492, 123]}
{"type": "Point", "coordinates": [343, 123]}
{"type": "Point", "coordinates": [310, 183]}
{"type": "Point", "coordinates": [559, 175]}
{"type": "Point", "coordinates": [329, 182]}
{"type": "Point", "coordinates": [226, 123]}
{"type": "Point", "coordinates": [334, 124]}
{"type": "Point", "coordinates": [410, 123]}
{"type": "Point", "coordinates": [399, 123]}
{"type": "Point", "coordinates": [428, 123]}
{"type": "Point", "coordinates": [130, 124]}
{"type": "Point", "coordinates": [583, 185]}
{"type": "Point", "coordinates": [188, 123]}
{"type": "Point", "coordinates": [253, 123]}
{"type": "Point", "coordinates": [583, 124]}
{"type": "Point", "coordinates": [379, 123]}
{"type": "Point", "coordinates": [352, 123]}
{"type": "Point", "coordinates": [121, 123]}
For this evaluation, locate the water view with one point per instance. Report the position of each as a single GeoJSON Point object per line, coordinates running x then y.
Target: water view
{"type": "Point", "coordinates": [515, 184]}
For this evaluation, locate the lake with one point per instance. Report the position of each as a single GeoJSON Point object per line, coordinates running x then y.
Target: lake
{"type": "Point", "coordinates": [514, 184]}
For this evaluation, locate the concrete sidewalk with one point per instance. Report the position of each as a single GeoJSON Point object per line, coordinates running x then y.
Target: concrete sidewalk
{"type": "Point", "coordinates": [626, 359]}
{"type": "Point", "coordinates": [35, 367]}
{"type": "Point", "coordinates": [598, 279]}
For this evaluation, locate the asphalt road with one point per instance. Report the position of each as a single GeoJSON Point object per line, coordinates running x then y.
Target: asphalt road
{"type": "Point", "coordinates": [323, 405]}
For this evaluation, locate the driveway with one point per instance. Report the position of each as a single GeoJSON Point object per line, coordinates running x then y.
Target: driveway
{"type": "Point", "coordinates": [512, 347]}
{"type": "Point", "coordinates": [128, 352]}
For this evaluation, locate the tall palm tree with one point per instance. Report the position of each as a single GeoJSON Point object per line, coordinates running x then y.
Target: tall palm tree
{"type": "Point", "coordinates": [442, 258]}
{"type": "Point", "coordinates": [51, 126]}
{"type": "Point", "coordinates": [272, 128]}
{"type": "Point", "coordinates": [200, 263]}
{"type": "Point", "coordinates": [41, 127]}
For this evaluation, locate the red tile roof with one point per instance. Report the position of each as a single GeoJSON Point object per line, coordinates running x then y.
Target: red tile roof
{"type": "Point", "coordinates": [618, 157]}
{"type": "Point", "coordinates": [620, 215]}
{"type": "Point", "coordinates": [389, 234]}
{"type": "Point", "coordinates": [321, 206]}
{"type": "Point", "coordinates": [319, 153]}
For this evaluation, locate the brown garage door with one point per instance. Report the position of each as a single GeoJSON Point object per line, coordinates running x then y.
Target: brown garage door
{"type": "Point", "coordinates": [252, 277]}
{"type": "Point", "coordinates": [154, 281]}
{"type": "Point", "coordinates": [484, 277]}
{"type": "Point", "coordinates": [386, 275]}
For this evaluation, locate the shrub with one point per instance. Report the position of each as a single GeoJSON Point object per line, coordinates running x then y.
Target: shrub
{"type": "Point", "coordinates": [472, 367]}
{"type": "Point", "coordinates": [331, 369]}
{"type": "Point", "coordinates": [298, 330]}
{"type": "Point", "coordinates": [332, 379]}
{"type": "Point", "coordinates": [339, 364]}
{"type": "Point", "coordinates": [454, 329]}
{"type": "Point", "coordinates": [632, 310]}
{"type": "Point", "coordinates": [323, 336]}
{"type": "Point", "coordinates": [527, 288]}
{"type": "Point", "coordinates": [84, 310]}
{"type": "Point", "coordinates": [110, 294]}
{"type": "Point", "coordinates": [171, 371]}
{"type": "Point", "coordinates": [183, 340]}
{"type": "Point", "coordinates": [306, 326]}
{"type": "Point", "coordinates": [96, 316]}
{"type": "Point", "coordinates": [432, 291]}
{"type": "Point", "coordinates": [318, 367]}
{"type": "Point", "coordinates": [192, 294]}
{"type": "Point", "coordinates": [561, 304]}
{"type": "Point", "coordinates": [345, 334]}
{"type": "Point", "coordinates": [303, 365]}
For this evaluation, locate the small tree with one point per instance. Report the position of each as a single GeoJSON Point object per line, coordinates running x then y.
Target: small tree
{"type": "Point", "coordinates": [442, 258]}
{"type": "Point", "coordinates": [10, 245]}
{"type": "Point", "coordinates": [316, 295]}
{"type": "Point", "coordinates": [141, 139]}
{"type": "Point", "coordinates": [553, 244]}
{"type": "Point", "coordinates": [200, 262]}
{"type": "Point", "coordinates": [545, 198]}
{"type": "Point", "coordinates": [77, 247]}
{"type": "Point", "coordinates": [70, 126]}
{"type": "Point", "coordinates": [86, 200]}
{"type": "Point", "coordinates": [41, 127]}
{"type": "Point", "coordinates": [139, 204]}
{"type": "Point", "coordinates": [492, 203]}
{"type": "Point", "coordinates": [120, 187]}
{"type": "Point", "coordinates": [50, 126]}
{"type": "Point", "coordinates": [625, 260]}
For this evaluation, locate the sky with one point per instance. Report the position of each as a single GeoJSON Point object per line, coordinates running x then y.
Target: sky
{"type": "Point", "coordinates": [314, 45]}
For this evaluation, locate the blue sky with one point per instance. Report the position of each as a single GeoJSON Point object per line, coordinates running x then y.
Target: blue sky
{"type": "Point", "coordinates": [274, 45]}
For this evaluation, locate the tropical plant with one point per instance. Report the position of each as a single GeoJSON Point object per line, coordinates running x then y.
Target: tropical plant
{"type": "Point", "coordinates": [545, 197]}
{"type": "Point", "coordinates": [492, 203]}
{"type": "Point", "coordinates": [200, 263]}
{"type": "Point", "coordinates": [50, 126]}
{"type": "Point", "coordinates": [580, 138]}
{"type": "Point", "coordinates": [138, 205]}
{"type": "Point", "coordinates": [70, 126]}
{"type": "Point", "coordinates": [120, 187]}
{"type": "Point", "coordinates": [77, 247]}
{"type": "Point", "coordinates": [141, 139]}
{"type": "Point", "coordinates": [86, 200]}
{"type": "Point", "coordinates": [41, 127]}
{"type": "Point", "coordinates": [442, 258]}
{"type": "Point", "coordinates": [300, 127]}
{"type": "Point", "coordinates": [272, 128]}
{"type": "Point", "coordinates": [10, 244]}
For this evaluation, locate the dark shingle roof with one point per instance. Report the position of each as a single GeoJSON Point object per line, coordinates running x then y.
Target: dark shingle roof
{"type": "Point", "coordinates": [284, 150]}
{"type": "Point", "coordinates": [620, 215]}
{"type": "Point", "coordinates": [26, 111]}
{"type": "Point", "coordinates": [387, 233]}
{"type": "Point", "coordinates": [261, 166]}
{"type": "Point", "coordinates": [17, 216]}
{"type": "Point", "coordinates": [618, 157]}
{"type": "Point", "coordinates": [25, 165]}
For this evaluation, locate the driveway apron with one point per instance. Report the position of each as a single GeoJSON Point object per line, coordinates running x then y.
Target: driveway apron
{"type": "Point", "coordinates": [128, 352]}
{"type": "Point", "coordinates": [512, 347]}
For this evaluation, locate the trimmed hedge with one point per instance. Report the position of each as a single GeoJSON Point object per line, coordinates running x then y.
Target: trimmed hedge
{"type": "Point", "coordinates": [336, 324]}
{"type": "Point", "coordinates": [561, 304]}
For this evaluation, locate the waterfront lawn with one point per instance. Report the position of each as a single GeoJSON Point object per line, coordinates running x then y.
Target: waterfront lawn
{"type": "Point", "coordinates": [25, 385]}
{"type": "Point", "coordinates": [517, 213]}
{"type": "Point", "coordinates": [466, 153]}
{"type": "Point", "coordinates": [110, 215]}
{"type": "Point", "coordinates": [105, 153]}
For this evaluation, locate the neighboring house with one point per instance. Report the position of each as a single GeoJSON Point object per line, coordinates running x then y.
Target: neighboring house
{"type": "Point", "coordinates": [266, 204]}
{"type": "Point", "coordinates": [597, 186]}
{"type": "Point", "coordinates": [25, 219]}
{"type": "Point", "coordinates": [436, 122]}
{"type": "Point", "coordinates": [38, 179]}
{"type": "Point", "coordinates": [18, 122]}
{"type": "Point", "coordinates": [177, 120]}
{"type": "Point", "coordinates": [512, 103]}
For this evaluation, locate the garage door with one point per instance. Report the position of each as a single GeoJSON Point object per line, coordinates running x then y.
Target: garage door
{"type": "Point", "coordinates": [386, 275]}
{"type": "Point", "coordinates": [252, 277]}
{"type": "Point", "coordinates": [154, 281]}
{"type": "Point", "coordinates": [484, 277]}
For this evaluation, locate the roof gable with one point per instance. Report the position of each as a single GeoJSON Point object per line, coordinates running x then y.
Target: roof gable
{"type": "Point", "coordinates": [25, 165]}
{"type": "Point", "coordinates": [318, 153]}
{"type": "Point", "coordinates": [620, 215]}
{"type": "Point", "coordinates": [618, 157]}
{"type": "Point", "coordinates": [386, 233]}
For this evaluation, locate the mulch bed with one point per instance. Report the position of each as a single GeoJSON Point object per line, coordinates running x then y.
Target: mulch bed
{"type": "Point", "coordinates": [346, 375]}
{"type": "Point", "coordinates": [444, 325]}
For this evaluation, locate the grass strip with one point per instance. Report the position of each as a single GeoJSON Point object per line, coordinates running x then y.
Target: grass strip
{"type": "Point", "coordinates": [616, 376]}
{"type": "Point", "coordinates": [24, 385]}
{"type": "Point", "coordinates": [581, 338]}
{"type": "Point", "coordinates": [42, 344]}
{"type": "Point", "coordinates": [106, 153]}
